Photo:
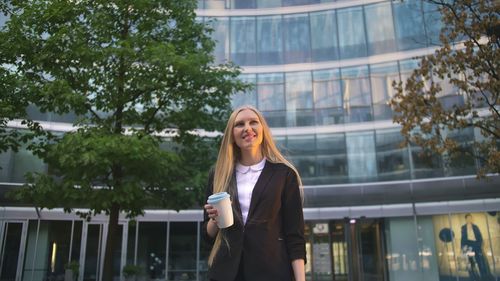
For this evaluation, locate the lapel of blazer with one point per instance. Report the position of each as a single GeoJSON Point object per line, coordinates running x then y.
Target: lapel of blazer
{"type": "Point", "coordinates": [260, 186]}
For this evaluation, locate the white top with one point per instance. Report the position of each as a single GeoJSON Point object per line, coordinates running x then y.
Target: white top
{"type": "Point", "coordinates": [246, 178]}
{"type": "Point", "coordinates": [470, 233]}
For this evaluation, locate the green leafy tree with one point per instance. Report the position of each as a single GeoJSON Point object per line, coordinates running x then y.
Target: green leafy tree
{"type": "Point", "coordinates": [13, 108]}
{"type": "Point", "coordinates": [139, 74]}
{"type": "Point", "coordinates": [469, 60]}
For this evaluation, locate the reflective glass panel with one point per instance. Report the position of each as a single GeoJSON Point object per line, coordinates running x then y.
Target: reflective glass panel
{"type": "Point", "coordinates": [464, 246]}
{"type": "Point", "coordinates": [299, 97]}
{"type": "Point", "coordinates": [269, 40]}
{"type": "Point", "coordinates": [406, 68]}
{"type": "Point", "coordinates": [242, 4]}
{"type": "Point", "coordinates": [392, 161]}
{"type": "Point", "coordinates": [463, 161]}
{"type": "Point", "coordinates": [425, 163]}
{"type": "Point", "coordinates": [327, 88]}
{"type": "Point", "coordinates": [382, 77]}
{"type": "Point", "coordinates": [221, 37]}
{"type": "Point", "coordinates": [380, 28]}
{"type": "Point", "coordinates": [433, 23]}
{"type": "Point", "coordinates": [409, 24]}
{"type": "Point", "coordinates": [151, 249]}
{"type": "Point", "coordinates": [270, 92]}
{"type": "Point", "coordinates": [324, 41]}
{"type": "Point", "coordinates": [268, 3]}
{"type": "Point", "coordinates": [215, 4]}
{"type": "Point", "coordinates": [356, 94]}
{"type": "Point", "coordinates": [182, 251]}
{"type": "Point", "coordinates": [248, 97]}
{"type": "Point", "coordinates": [11, 249]}
{"type": "Point", "coordinates": [52, 249]}
{"type": "Point", "coordinates": [24, 161]}
{"type": "Point", "coordinates": [331, 159]}
{"type": "Point", "coordinates": [298, 2]}
{"type": "Point", "coordinates": [296, 36]}
{"type": "Point", "coordinates": [6, 164]}
{"type": "Point", "coordinates": [301, 148]}
{"type": "Point", "coordinates": [243, 40]}
{"type": "Point", "coordinates": [412, 251]}
{"type": "Point", "coordinates": [351, 33]}
{"type": "Point", "coordinates": [362, 165]}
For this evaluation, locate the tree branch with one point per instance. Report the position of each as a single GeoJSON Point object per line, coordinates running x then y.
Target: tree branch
{"type": "Point", "coordinates": [151, 118]}
{"type": "Point", "coordinates": [488, 102]}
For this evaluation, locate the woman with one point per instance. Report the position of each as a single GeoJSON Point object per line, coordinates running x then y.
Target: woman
{"type": "Point", "coordinates": [266, 241]}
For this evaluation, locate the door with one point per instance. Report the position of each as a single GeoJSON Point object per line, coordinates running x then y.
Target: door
{"type": "Point", "coordinates": [12, 245]}
{"type": "Point", "coordinates": [92, 251]}
{"type": "Point", "coordinates": [347, 250]}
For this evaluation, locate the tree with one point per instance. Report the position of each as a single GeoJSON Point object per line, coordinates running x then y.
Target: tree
{"type": "Point", "coordinates": [468, 60]}
{"type": "Point", "coordinates": [138, 74]}
{"type": "Point", "coordinates": [13, 107]}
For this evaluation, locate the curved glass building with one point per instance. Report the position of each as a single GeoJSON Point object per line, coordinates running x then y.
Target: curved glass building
{"type": "Point", "coordinates": [322, 73]}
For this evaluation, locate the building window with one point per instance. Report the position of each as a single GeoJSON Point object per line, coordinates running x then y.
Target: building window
{"type": "Point", "coordinates": [299, 100]}
{"type": "Point", "coordinates": [361, 156]}
{"type": "Point", "coordinates": [296, 37]}
{"type": "Point", "coordinates": [409, 24]}
{"type": "Point", "coordinates": [324, 41]}
{"type": "Point", "coordinates": [243, 41]}
{"type": "Point", "coordinates": [381, 77]}
{"type": "Point", "coordinates": [269, 40]}
{"type": "Point", "coordinates": [356, 94]}
{"type": "Point", "coordinates": [351, 33]}
{"type": "Point", "coordinates": [380, 28]}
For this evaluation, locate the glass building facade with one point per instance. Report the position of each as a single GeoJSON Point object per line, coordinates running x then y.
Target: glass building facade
{"type": "Point", "coordinates": [322, 73]}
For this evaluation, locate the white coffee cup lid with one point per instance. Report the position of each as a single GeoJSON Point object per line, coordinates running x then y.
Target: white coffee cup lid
{"type": "Point", "coordinates": [216, 197]}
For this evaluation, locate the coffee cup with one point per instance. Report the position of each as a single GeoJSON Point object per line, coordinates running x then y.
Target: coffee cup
{"type": "Point", "coordinates": [222, 202]}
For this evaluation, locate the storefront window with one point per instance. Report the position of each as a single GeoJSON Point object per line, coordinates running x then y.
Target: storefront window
{"type": "Point", "coordinates": [182, 251]}
{"type": "Point", "coordinates": [152, 248]}
{"type": "Point", "coordinates": [466, 245]}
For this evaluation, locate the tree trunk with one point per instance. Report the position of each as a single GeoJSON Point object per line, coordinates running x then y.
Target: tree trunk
{"type": "Point", "coordinates": [107, 270]}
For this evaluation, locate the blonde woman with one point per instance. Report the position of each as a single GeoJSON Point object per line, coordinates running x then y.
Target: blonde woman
{"type": "Point", "coordinates": [266, 241]}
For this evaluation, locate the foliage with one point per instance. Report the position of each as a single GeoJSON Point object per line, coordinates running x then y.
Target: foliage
{"type": "Point", "coordinates": [73, 266]}
{"type": "Point", "coordinates": [131, 270]}
{"type": "Point", "coordinates": [468, 59]}
{"type": "Point", "coordinates": [139, 75]}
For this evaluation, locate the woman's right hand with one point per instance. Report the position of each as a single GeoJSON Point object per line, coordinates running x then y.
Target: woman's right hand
{"type": "Point", "coordinates": [211, 211]}
{"type": "Point", "coordinates": [212, 227]}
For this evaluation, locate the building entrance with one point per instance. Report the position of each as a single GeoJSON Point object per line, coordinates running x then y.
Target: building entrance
{"type": "Point", "coordinates": [346, 250]}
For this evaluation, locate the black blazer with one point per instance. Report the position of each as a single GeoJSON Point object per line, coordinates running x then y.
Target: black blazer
{"type": "Point", "coordinates": [273, 235]}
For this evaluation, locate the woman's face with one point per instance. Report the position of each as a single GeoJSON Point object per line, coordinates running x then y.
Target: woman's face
{"type": "Point", "coordinates": [247, 130]}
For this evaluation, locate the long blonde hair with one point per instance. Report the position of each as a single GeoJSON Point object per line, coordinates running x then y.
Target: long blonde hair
{"type": "Point", "coordinates": [229, 153]}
